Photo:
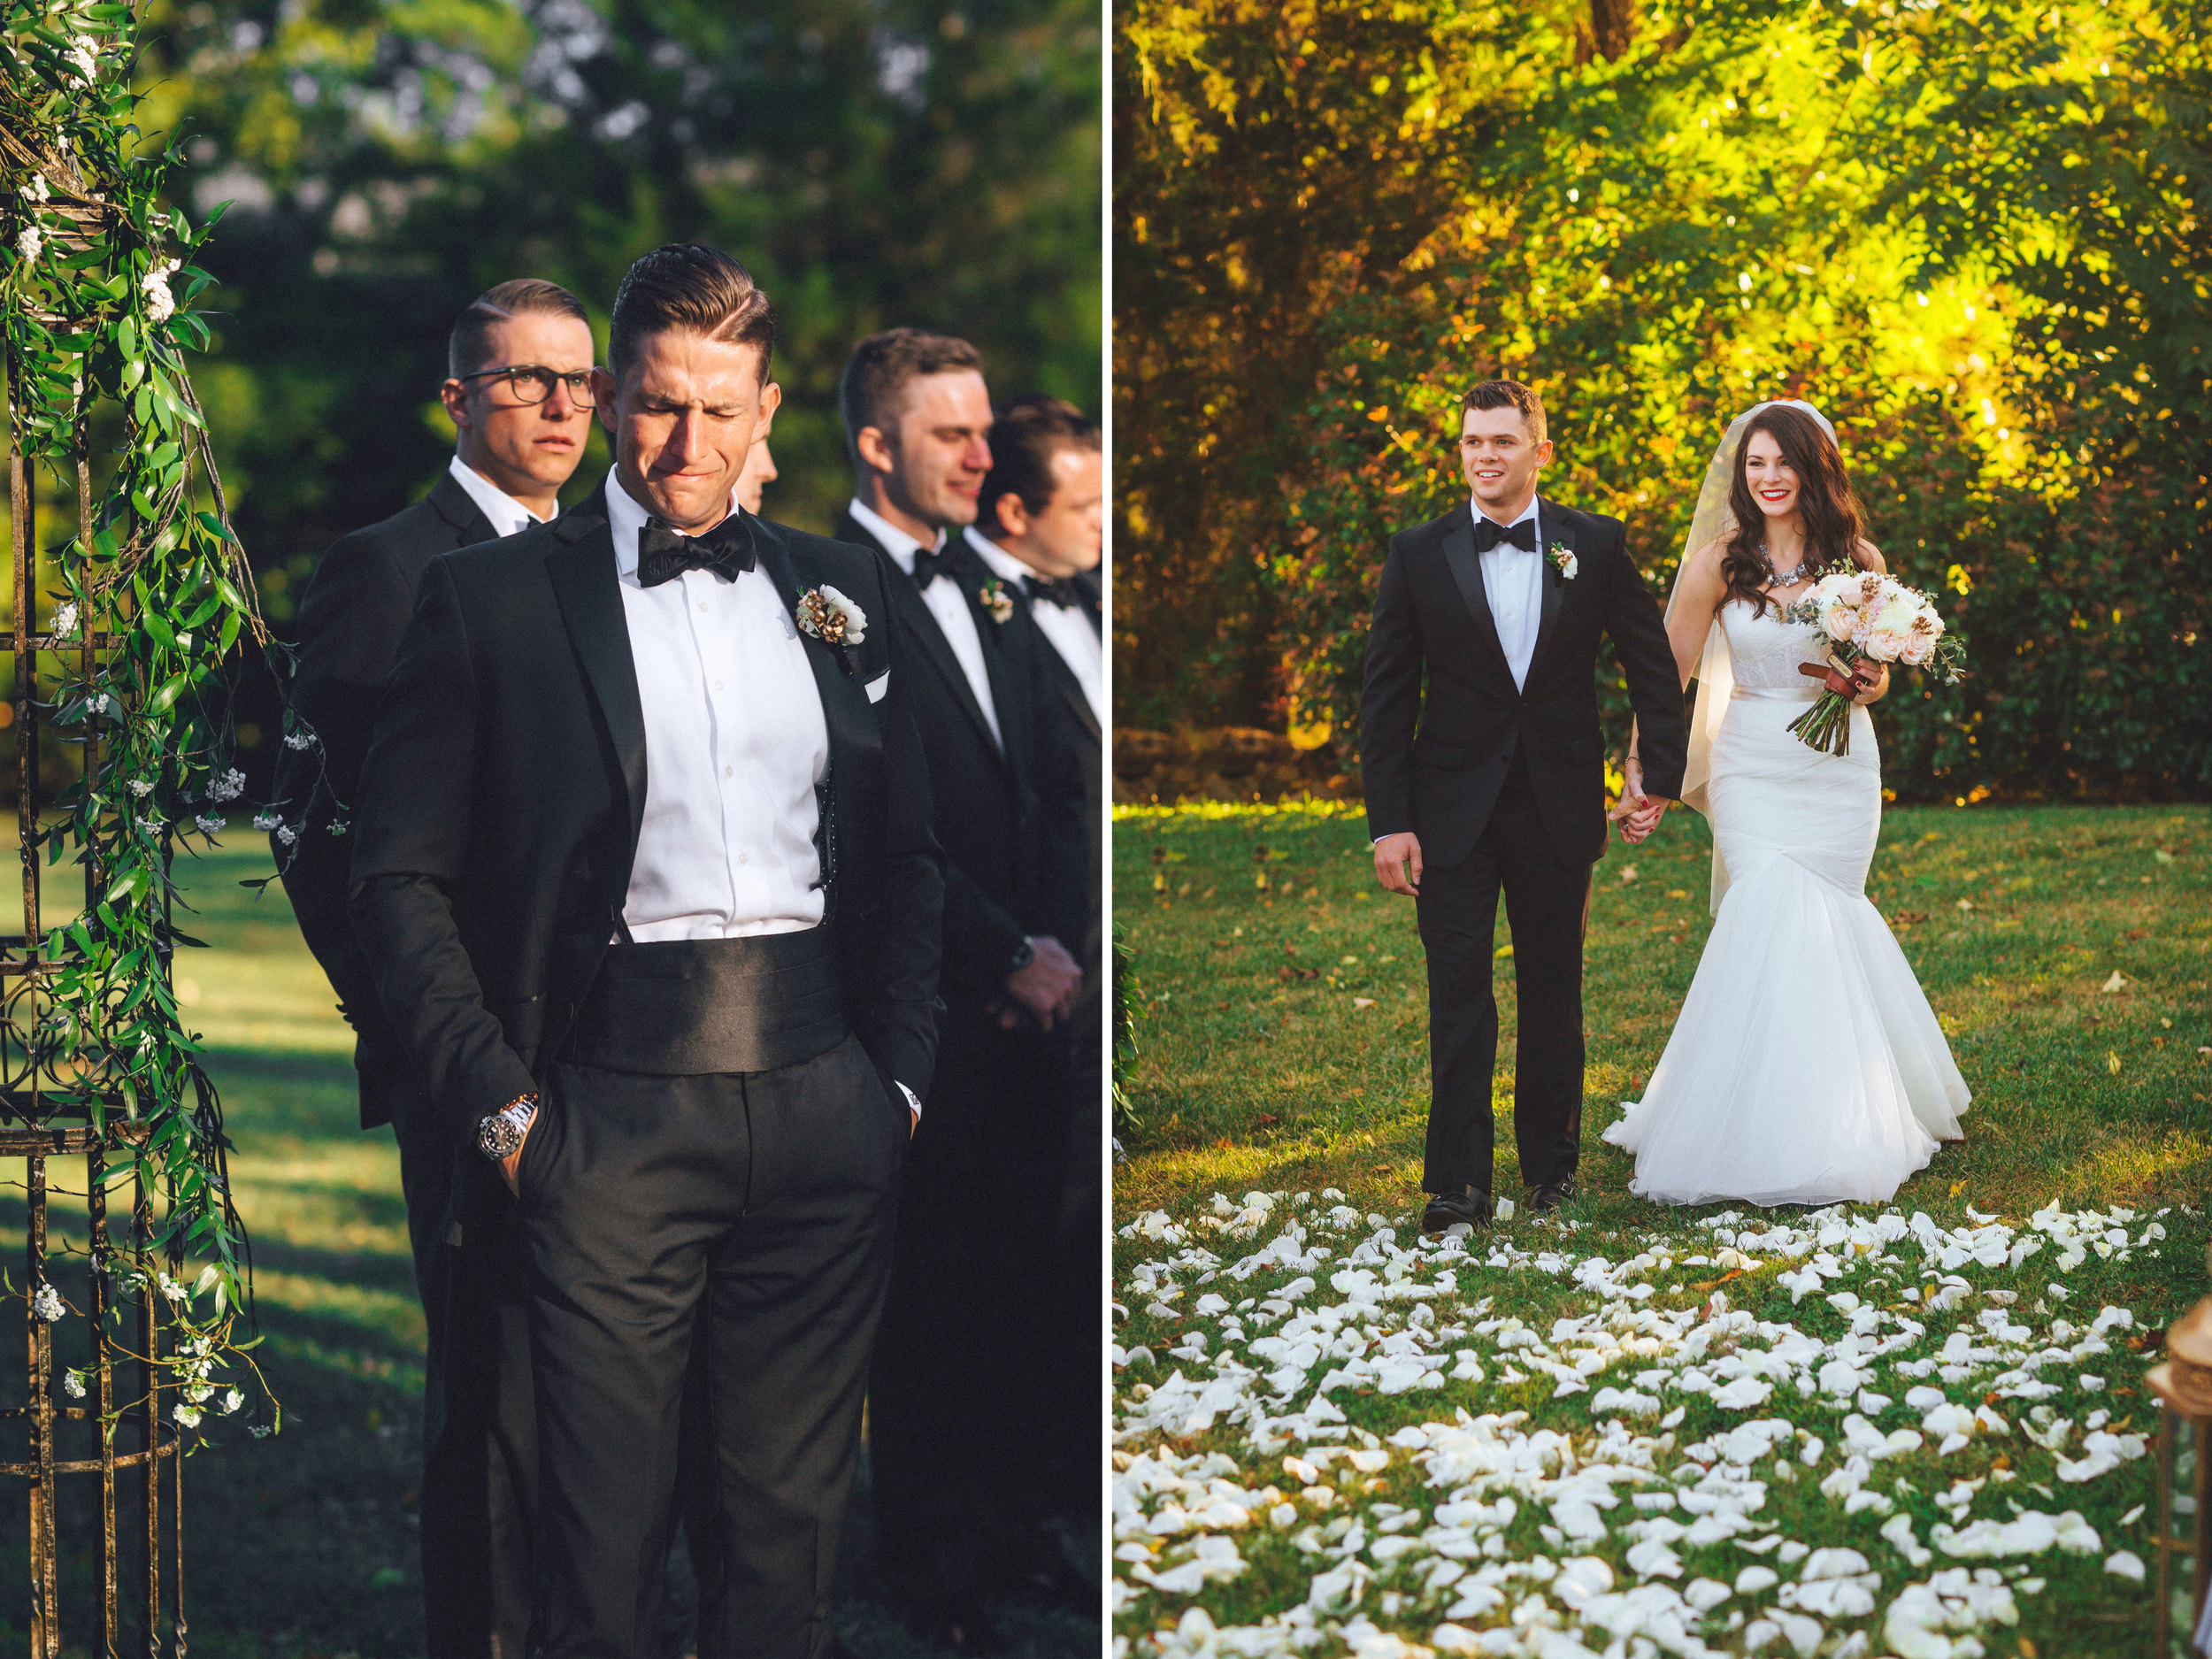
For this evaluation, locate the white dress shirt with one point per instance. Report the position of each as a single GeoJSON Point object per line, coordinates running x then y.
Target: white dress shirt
{"type": "Point", "coordinates": [955, 618]}
{"type": "Point", "coordinates": [735, 742]}
{"type": "Point", "coordinates": [1069, 632]}
{"type": "Point", "coordinates": [1513, 577]}
{"type": "Point", "coordinates": [507, 515]}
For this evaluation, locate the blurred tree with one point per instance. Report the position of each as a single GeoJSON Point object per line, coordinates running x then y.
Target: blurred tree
{"type": "Point", "coordinates": [1978, 242]}
{"type": "Point", "coordinates": [935, 164]}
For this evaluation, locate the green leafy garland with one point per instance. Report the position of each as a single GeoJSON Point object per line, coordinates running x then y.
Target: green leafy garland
{"type": "Point", "coordinates": [96, 285]}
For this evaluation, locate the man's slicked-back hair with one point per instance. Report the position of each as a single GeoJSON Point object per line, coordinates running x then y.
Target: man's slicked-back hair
{"type": "Point", "coordinates": [468, 348]}
{"type": "Point", "coordinates": [684, 288]}
{"type": "Point", "coordinates": [1026, 434]}
{"type": "Point", "coordinates": [1510, 395]}
{"type": "Point", "coordinates": [878, 373]}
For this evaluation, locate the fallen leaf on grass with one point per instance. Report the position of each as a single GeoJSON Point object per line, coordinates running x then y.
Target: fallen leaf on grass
{"type": "Point", "coordinates": [1906, 918]}
{"type": "Point", "coordinates": [2117, 982]}
{"type": "Point", "coordinates": [1362, 1002]}
{"type": "Point", "coordinates": [2112, 1062]}
{"type": "Point", "coordinates": [1264, 1119]}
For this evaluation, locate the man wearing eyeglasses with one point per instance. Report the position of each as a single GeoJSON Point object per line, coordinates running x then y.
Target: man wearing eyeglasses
{"type": "Point", "coordinates": [518, 390]}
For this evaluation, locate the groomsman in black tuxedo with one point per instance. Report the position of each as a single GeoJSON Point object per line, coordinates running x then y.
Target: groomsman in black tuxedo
{"type": "Point", "coordinates": [1494, 780]}
{"type": "Point", "coordinates": [1040, 527]}
{"type": "Point", "coordinates": [519, 362]}
{"type": "Point", "coordinates": [983, 1188]}
{"type": "Point", "coordinates": [643, 872]}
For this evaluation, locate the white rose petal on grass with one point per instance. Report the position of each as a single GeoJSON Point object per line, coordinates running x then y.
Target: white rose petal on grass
{"type": "Point", "coordinates": [2125, 1563]}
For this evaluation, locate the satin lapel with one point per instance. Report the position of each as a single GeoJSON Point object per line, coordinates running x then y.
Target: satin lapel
{"type": "Point", "coordinates": [844, 699]}
{"type": "Point", "coordinates": [459, 508]}
{"type": "Point", "coordinates": [1466, 567]}
{"type": "Point", "coordinates": [1559, 535]}
{"type": "Point", "coordinates": [999, 650]}
{"type": "Point", "coordinates": [921, 627]}
{"type": "Point", "coordinates": [582, 570]}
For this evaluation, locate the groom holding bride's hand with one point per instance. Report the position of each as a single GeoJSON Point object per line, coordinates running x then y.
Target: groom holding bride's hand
{"type": "Point", "coordinates": [1493, 780]}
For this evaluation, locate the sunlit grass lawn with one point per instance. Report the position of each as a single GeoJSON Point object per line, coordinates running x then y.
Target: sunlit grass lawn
{"type": "Point", "coordinates": [1282, 1048]}
{"type": "Point", "coordinates": [304, 1543]}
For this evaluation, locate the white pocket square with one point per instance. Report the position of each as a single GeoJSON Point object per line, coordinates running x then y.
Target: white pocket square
{"type": "Point", "coordinates": [877, 687]}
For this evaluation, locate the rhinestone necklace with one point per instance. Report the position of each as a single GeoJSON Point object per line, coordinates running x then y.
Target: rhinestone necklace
{"type": "Point", "coordinates": [1776, 578]}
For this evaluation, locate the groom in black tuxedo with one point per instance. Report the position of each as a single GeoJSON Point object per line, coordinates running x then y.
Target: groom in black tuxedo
{"type": "Point", "coordinates": [644, 874]}
{"type": "Point", "coordinates": [1493, 780]}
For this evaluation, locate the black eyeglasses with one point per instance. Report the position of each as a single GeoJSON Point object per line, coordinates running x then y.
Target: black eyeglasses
{"type": "Point", "coordinates": [534, 382]}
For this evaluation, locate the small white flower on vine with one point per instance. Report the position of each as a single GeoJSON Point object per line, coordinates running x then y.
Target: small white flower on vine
{"type": "Point", "coordinates": [141, 787]}
{"type": "Point", "coordinates": [161, 305]}
{"type": "Point", "coordinates": [186, 1416]}
{"type": "Point", "coordinates": [64, 618]}
{"type": "Point", "coordinates": [338, 826]}
{"type": "Point", "coordinates": [98, 702]}
{"type": "Point", "coordinates": [37, 190]}
{"type": "Point", "coordinates": [73, 1384]}
{"type": "Point", "coordinates": [84, 56]}
{"type": "Point", "coordinates": [229, 787]}
{"type": "Point", "coordinates": [209, 825]}
{"type": "Point", "coordinates": [268, 820]}
{"type": "Point", "coordinates": [299, 739]}
{"type": "Point", "coordinates": [231, 1400]}
{"type": "Point", "coordinates": [199, 1393]}
{"type": "Point", "coordinates": [831, 617]}
{"type": "Point", "coordinates": [174, 1290]}
{"type": "Point", "coordinates": [46, 1304]}
{"type": "Point", "coordinates": [30, 243]}
{"type": "Point", "coordinates": [287, 834]}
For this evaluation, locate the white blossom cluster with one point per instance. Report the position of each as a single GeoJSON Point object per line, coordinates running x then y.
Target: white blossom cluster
{"type": "Point", "coordinates": [64, 618]}
{"type": "Point", "coordinates": [83, 54]}
{"type": "Point", "coordinates": [1590, 1530]}
{"type": "Point", "coordinates": [299, 739]}
{"type": "Point", "coordinates": [229, 786]}
{"type": "Point", "coordinates": [30, 241]}
{"type": "Point", "coordinates": [211, 824]}
{"type": "Point", "coordinates": [161, 305]}
{"type": "Point", "coordinates": [46, 1304]}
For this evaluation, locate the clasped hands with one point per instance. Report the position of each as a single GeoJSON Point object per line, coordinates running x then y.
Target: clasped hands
{"type": "Point", "coordinates": [1043, 990]}
{"type": "Point", "coordinates": [1637, 813]}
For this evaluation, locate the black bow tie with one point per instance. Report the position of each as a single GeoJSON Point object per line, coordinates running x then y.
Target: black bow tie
{"type": "Point", "coordinates": [930, 563]}
{"type": "Point", "coordinates": [1489, 533]}
{"type": "Point", "coordinates": [1062, 593]}
{"type": "Point", "coordinates": [663, 554]}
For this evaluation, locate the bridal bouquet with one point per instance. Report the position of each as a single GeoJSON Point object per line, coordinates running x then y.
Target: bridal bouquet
{"type": "Point", "coordinates": [1865, 616]}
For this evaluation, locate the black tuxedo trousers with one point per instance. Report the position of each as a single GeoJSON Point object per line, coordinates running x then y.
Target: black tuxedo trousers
{"type": "Point", "coordinates": [753, 1212]}
{"type": "Point", "coordinates": [1545, 899]}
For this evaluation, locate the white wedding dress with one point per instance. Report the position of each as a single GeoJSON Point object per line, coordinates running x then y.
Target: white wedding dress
{"type": "Point", "coordinates": [1807, 1067]}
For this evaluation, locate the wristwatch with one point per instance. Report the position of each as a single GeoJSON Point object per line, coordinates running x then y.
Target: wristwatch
{"type": "Point", "coordinates": [1024, 955]}
{"type": "Point", "coordinates": [499, 1135]}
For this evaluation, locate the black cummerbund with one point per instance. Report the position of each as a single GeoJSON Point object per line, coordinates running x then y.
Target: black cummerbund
{"type": "Point", "coordinates": [690, 1006]}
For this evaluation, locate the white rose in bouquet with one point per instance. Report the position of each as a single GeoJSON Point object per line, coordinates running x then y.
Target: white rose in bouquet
{"type": "Point", "coordinates": [1867, 616]}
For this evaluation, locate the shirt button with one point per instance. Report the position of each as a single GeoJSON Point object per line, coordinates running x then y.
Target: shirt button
{"type": "Point", "coordinates": [729, 771]}
{"type": "Point", "coordinates": [745, 858]}
{"type": "Point", "coordinates": [717, 685]}
{"type": "Point", "coordinates": [702, 604]}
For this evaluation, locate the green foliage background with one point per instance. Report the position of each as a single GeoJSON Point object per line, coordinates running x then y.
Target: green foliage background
{"type": "Point", "coordinates": [934, 164]}
{"type": "Point", "coordinates": [1976, 235]}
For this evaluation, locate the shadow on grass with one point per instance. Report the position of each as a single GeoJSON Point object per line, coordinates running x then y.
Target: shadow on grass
{"type": "Point", "coordinates": [305, 1543]}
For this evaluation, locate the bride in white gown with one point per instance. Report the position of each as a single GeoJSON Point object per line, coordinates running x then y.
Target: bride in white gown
{"type": "Point", "coordinates": [1806, 1066]}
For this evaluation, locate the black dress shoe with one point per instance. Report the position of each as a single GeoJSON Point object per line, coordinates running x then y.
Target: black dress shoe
{"type": "Point", "coordinates": [1550, 1196]}
{"type": "Point", "coordinates": [1468, 1204]}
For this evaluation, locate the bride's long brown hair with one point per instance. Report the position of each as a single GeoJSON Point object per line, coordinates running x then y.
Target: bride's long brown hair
{"type": "Point", "coordinates": [1834, 529]}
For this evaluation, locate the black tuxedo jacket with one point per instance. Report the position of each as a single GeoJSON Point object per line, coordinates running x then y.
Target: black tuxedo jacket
{"type": "Point", "coordinates": [1087, 747]}
{"type": "Point", "coordinates": [1006, 819]}
{"type": "Point", "coordinates": [350, 619]}
{"type": "Point", "coordinates": [1433, 763]}
{"type": "Point", "coordinates": [501, 802]}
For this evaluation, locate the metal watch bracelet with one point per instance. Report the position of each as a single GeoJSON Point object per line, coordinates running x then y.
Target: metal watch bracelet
{"type": "Point", "coordinates": [500, 1135]}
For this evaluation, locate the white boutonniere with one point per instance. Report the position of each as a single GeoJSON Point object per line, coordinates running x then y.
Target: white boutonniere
{"type": "Point", "coordinates": [997, 601]}
{"type": "Point", "coordinates": [1565, 557]}
{"type": "Point", "coordinates": [831, 617]}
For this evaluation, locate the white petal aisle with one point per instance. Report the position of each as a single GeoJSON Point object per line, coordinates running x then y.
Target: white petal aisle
{"type": "Point", "coordinates": [1849, 1434]}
